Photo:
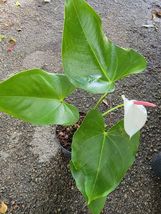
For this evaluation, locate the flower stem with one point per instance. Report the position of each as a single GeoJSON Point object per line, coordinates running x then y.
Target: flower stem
{"type": "Point", "coordinates": [112, 109]}
{"type": "Point", "coordinates": [100, 100]}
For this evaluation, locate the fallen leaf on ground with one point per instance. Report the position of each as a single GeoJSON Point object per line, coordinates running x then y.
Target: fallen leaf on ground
{"type": "Point", "coordinates": [3, 208]}
{"type": "Point", "coordinates": [12, 44]}
{"type": "Point", "coordinates": [3, 1]}
{"type": "Point", "coordinates": [156, 14]}
{"type": "Point", "coordinates": [2, 37]}
{"type": "Point", "coordinates": [18, 4]}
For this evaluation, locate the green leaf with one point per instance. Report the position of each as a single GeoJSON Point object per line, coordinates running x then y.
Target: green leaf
{"type": "Point", "coordinates": [38, 97]}
{"type": "Point", "coordinates": [101, 158]}
{"type": "Point", "coordinates": [95, 206]}
{"type": "Point", "coordinates": [91, 61]}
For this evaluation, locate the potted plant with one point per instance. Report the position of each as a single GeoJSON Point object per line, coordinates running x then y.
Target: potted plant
{"type": "Point", "coordinates": [100, 156]}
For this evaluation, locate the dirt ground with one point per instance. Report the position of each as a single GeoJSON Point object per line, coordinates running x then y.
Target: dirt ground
{"type": "Point", "coordinates": [34, 177]}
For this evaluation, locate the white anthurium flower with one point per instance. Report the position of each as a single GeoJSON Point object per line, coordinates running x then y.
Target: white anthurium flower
{"type": "Point", "coordinates": [135, 115]}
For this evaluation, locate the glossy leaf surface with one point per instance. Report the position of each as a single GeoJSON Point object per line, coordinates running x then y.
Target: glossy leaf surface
{"type": "Point", "coordinates": [101, 158]}
{"type": "Point", "coordinates": [38, 97]}
{"type": "Point", "coordinates": [91, 61]}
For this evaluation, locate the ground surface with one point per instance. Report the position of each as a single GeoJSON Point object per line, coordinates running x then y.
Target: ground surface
{"type": "Point", "coordinates": [34, 177]}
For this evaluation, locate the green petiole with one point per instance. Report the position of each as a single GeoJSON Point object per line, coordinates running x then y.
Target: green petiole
{"type": "Point", "coordinates": [100, 100]}
{"type": "Point", "coordinates": [112, 109]}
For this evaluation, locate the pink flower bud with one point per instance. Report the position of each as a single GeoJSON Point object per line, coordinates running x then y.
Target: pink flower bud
{"type": "Point", "coordinates": [144, 103]}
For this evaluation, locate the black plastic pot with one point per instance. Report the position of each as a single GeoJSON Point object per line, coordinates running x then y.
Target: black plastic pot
{"type": "Point", "coordinates": [64, 151]}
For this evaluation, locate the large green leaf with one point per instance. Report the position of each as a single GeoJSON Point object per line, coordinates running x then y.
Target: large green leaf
{"type": "Point", "coordinates": [95, 206]}
{"type": "Point", "coordinates": [100, 158]}
{"type": "Point", "coordinates": [91, 61]}
{"type": "Point", "coordinates": [38, 97]}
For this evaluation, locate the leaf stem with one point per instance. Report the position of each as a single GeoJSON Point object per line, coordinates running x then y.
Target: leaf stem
{"type": "Point", "coordinates": [100, 100]}
{"type": "Point", "coordinates": [112, 109]}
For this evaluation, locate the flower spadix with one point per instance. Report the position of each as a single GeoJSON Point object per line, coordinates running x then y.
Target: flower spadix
{"type": "Point", "coordinates": [135, 115]}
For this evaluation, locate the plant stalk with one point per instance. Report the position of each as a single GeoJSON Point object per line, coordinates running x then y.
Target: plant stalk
{"type": "Point", "coordinates": [112, 109]}
{"type": "Point", "coordinates": [100, 100]}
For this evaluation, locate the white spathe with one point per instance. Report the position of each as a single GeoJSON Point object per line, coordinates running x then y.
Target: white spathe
{"type": "Point", "coordinates": [135, 116]}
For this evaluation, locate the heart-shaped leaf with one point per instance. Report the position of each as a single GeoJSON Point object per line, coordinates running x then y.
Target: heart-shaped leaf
{"type": "Point", "coordinates": [100, 158]}
{"type": "Point", "coordinates": [38, 97]}
{"type": "Point", "coordinates": [91, 61]}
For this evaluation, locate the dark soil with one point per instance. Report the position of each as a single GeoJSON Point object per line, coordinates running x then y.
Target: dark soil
{"type": "Point", "coordinates": [65, 133]}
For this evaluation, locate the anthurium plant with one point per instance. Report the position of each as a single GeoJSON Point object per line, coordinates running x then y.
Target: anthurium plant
{"type": "Point", "coordinates": [101, 156]}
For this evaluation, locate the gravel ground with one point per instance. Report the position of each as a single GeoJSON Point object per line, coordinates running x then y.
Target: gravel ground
{"type": "Point", "coordinates": [34, 177]}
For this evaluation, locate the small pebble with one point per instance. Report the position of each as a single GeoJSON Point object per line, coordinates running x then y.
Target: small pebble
{"type": "Point", "coordinates": [61, 134]}
{"type": "Point", "coordinates": [66, 136]}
